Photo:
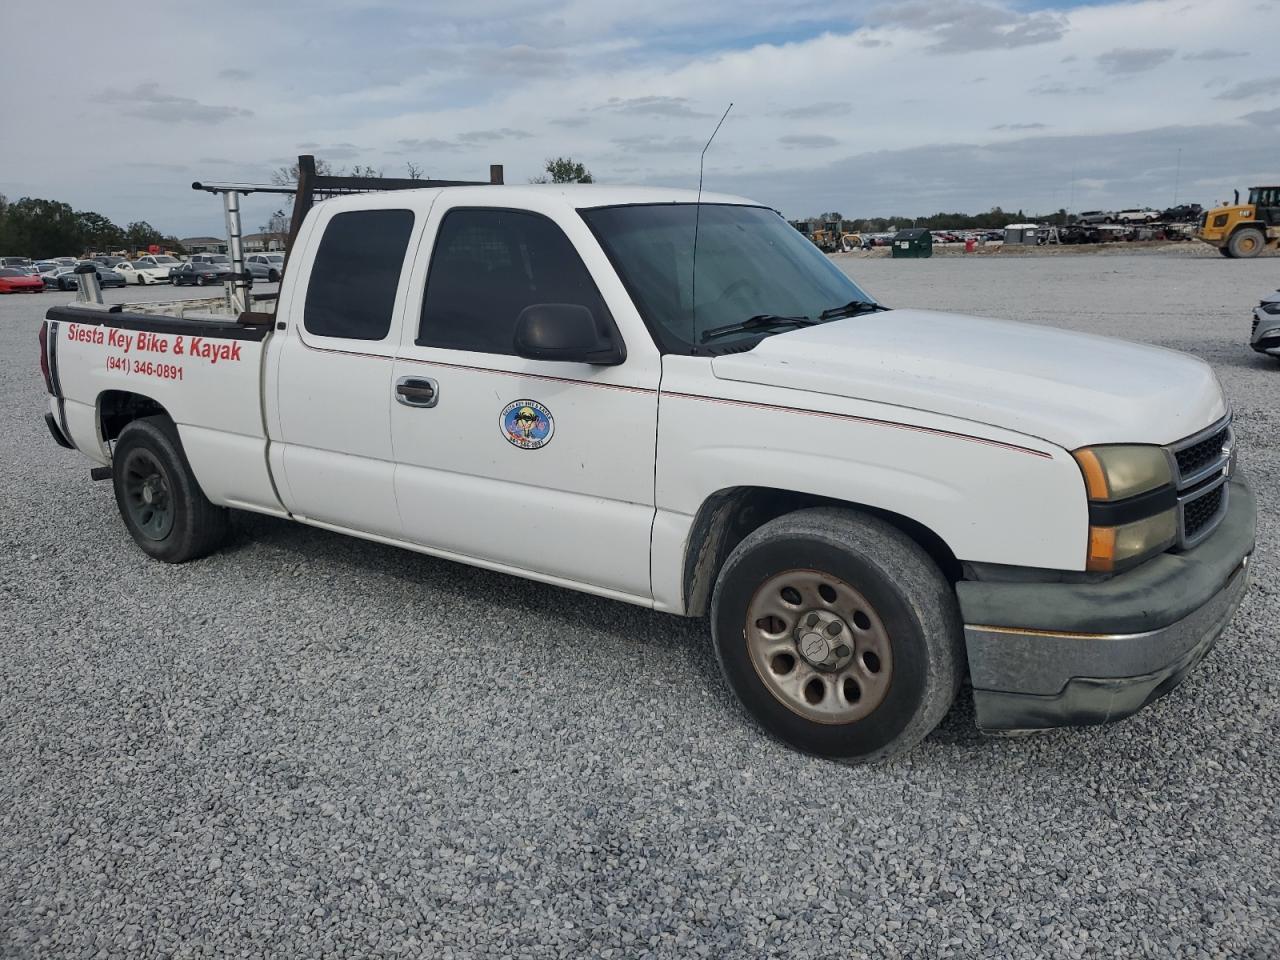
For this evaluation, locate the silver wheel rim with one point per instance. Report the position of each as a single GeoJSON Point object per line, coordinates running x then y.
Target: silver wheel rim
{"type": "Point", "coordinates": [819, 646]}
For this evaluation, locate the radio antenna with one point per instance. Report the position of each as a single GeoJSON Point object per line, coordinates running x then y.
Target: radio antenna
{"type": "Point", "coordinates": [697, 217]}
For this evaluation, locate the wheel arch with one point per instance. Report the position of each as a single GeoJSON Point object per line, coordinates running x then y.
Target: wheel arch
{"type": "Point", "coordinates": [1247, 224]}
{"type": "Point", "coordinates": [728, 516]}
{"type": "Point", "coordinates": [116, 409]}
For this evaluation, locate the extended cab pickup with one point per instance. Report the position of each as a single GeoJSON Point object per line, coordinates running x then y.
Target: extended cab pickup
{"type": "Point", "coordinates": [687, 406]}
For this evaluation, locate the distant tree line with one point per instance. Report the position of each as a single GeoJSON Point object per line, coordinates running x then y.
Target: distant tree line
{"type": "Point", "coordinates": [36, 228]}
{"type": "Point", "coordinates": [993, 219]}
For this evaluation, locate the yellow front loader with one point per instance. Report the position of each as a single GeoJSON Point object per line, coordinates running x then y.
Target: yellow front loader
{"type": "Point", "coordinates": [1243, 230]}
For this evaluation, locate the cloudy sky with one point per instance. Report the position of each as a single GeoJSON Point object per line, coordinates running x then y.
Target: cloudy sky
{"type": "Point", "coordinates": [869, 108]}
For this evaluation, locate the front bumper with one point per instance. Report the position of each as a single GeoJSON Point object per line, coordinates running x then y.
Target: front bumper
{"type": "Point", "coordinates": [1067, 654]}
{"type": "Point", "coordinates": [1265, 337]}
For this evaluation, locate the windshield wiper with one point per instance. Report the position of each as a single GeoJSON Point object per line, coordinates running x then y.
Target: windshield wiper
{"type": "Point", "coordinates": [761, 321]}
{"type": "Point", "coordinates": [851, 309]}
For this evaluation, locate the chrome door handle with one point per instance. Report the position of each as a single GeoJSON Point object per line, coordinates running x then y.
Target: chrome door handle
{"type": "Point", "coordinates": [417, 391]}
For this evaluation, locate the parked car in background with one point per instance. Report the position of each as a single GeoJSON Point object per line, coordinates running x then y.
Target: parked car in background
{"type": "Point", "coordinates": [1265, 336]}
{"type": "Point", "coordinates": [15, 261]}
{"type": "Point", "coordinates": [265, 266]}
{"type": "Point", "coordinates": [1079, 233]}
{"type": "Point", "coordinates": [211, 258]}
{"type": "Point", "coordinates": [47, 266]}
{"type": "Point", "coordinates": [109, 278]}
{"type": "Point", "coordinates": [1088, 217]}
{"type": "Point", "coordinates": [198, 274]}
{"type": "Point", "coordinates": [1138, 215]}
{"type": "Point", "coordinates": [64, 278]}
{"type": "Point", "coordinates": [17, 280]}
{"type": "Point", "coordinates": [1182, 213]}
{"type": "Point", "coordinates": [149, 269]}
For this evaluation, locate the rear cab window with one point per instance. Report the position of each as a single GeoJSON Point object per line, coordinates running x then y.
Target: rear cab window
{"type": "Point", "coordinates": [355, 274]}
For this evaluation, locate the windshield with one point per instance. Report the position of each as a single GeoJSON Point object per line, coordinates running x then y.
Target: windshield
{"type": "Point", "coordinates": [166, 260]}
{"type": "Point", "coordinates": [751, 263]}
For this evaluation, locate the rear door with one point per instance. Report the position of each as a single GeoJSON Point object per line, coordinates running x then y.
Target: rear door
{"type": "Point", "coordinates": [537, 466]}
{"type": "Point", "coordinates": [334, 368]}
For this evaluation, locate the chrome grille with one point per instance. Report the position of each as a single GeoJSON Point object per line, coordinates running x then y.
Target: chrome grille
{"type": "Point", "coordinates": [1202, 464]}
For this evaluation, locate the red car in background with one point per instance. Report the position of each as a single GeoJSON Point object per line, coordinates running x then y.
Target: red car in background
{"type": "Point", "coordinates": [13, 280]}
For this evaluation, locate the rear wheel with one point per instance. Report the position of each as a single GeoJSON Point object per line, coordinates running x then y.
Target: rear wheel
{"type": "Point", "coordinates": [200, 280]}
{"type": "Point", "coordinates": [162, 505]}
{"type": "Point", "coordinates": [1246, 242]}
{"type": "Point", "coordinates": [838, 634]}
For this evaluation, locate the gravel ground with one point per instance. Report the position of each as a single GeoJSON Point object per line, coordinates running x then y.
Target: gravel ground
{"type": "Point", "coordinates": [310, 745]}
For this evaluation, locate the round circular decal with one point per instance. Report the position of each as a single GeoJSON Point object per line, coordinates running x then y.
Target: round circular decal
{"type": "Point", "coordinates": [527, 424]}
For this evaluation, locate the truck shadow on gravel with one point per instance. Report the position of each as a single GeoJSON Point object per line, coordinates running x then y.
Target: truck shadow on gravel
{"type": "Point", "coordinates": [365, 563]}
{"type": "Point", "coordinates": [571, 615]}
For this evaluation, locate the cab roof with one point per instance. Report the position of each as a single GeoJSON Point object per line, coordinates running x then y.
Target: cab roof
{"type": "Point", "coordinates": [575, 196]}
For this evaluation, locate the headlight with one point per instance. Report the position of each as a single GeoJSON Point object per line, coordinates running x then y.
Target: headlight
{"type": "Point", "coordinates": [1132, 504]}
{"type": "Point", "coordinates": [1117, 472]}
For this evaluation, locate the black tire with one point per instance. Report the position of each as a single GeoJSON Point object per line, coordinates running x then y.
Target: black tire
{"type": "Point", "coordinates": [908, 596]}
{"type": "Point", "coordinates": [1247, 242]}
{"type": "Point", "coordinates": [200, 280]}
{"type": "Point", "coordinates": [1225, 251]}
{"type": "Point", "coordinates": [273, 276]}
{"type": "Point", "coordinates": [148, 460]}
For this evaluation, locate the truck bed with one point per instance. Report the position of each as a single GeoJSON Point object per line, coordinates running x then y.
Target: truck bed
{"type": "Point", "coordinates": [205, 372]}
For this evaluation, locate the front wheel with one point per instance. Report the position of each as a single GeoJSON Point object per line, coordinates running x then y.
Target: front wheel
{"type": "Point", "coordinates": [1246, 242]}
{"type": "Point", "coordinates": [838, 634]}
{"type": "Point", "coordinates": [162, 505]}
{"type": "Point", "coordinates": [199, 281]}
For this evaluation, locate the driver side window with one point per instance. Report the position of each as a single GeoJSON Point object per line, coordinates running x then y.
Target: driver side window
{"type": "Point", "coordinates": [487, 266]}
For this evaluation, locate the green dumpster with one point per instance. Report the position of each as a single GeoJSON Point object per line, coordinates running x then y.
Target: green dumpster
{"type": "Point", "coordinates": [914, 242]}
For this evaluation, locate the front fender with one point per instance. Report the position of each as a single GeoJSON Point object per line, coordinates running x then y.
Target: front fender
{"type": "Point", "coordinates": [989, 495]}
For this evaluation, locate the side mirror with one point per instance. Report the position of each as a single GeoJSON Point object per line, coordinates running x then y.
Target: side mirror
{"type": "Point", "coordinates": [567, 332]}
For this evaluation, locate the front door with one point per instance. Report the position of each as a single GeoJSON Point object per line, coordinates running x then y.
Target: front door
{"type": "Point", "coordinates": [534, 466]}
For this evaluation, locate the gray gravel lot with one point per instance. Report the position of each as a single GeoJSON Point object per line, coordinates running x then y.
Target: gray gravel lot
{"type": "Point", "coordinates": [310, 745]}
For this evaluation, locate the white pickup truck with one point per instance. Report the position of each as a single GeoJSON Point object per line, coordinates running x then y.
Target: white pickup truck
{"type": "Point", "coordinates": [547, 381]}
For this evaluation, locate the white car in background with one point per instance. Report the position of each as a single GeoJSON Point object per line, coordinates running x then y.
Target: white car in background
{"type": "Point", "coordinates": [148, 269]}
{"type": "Point", "coordinates": [1138, 215]}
